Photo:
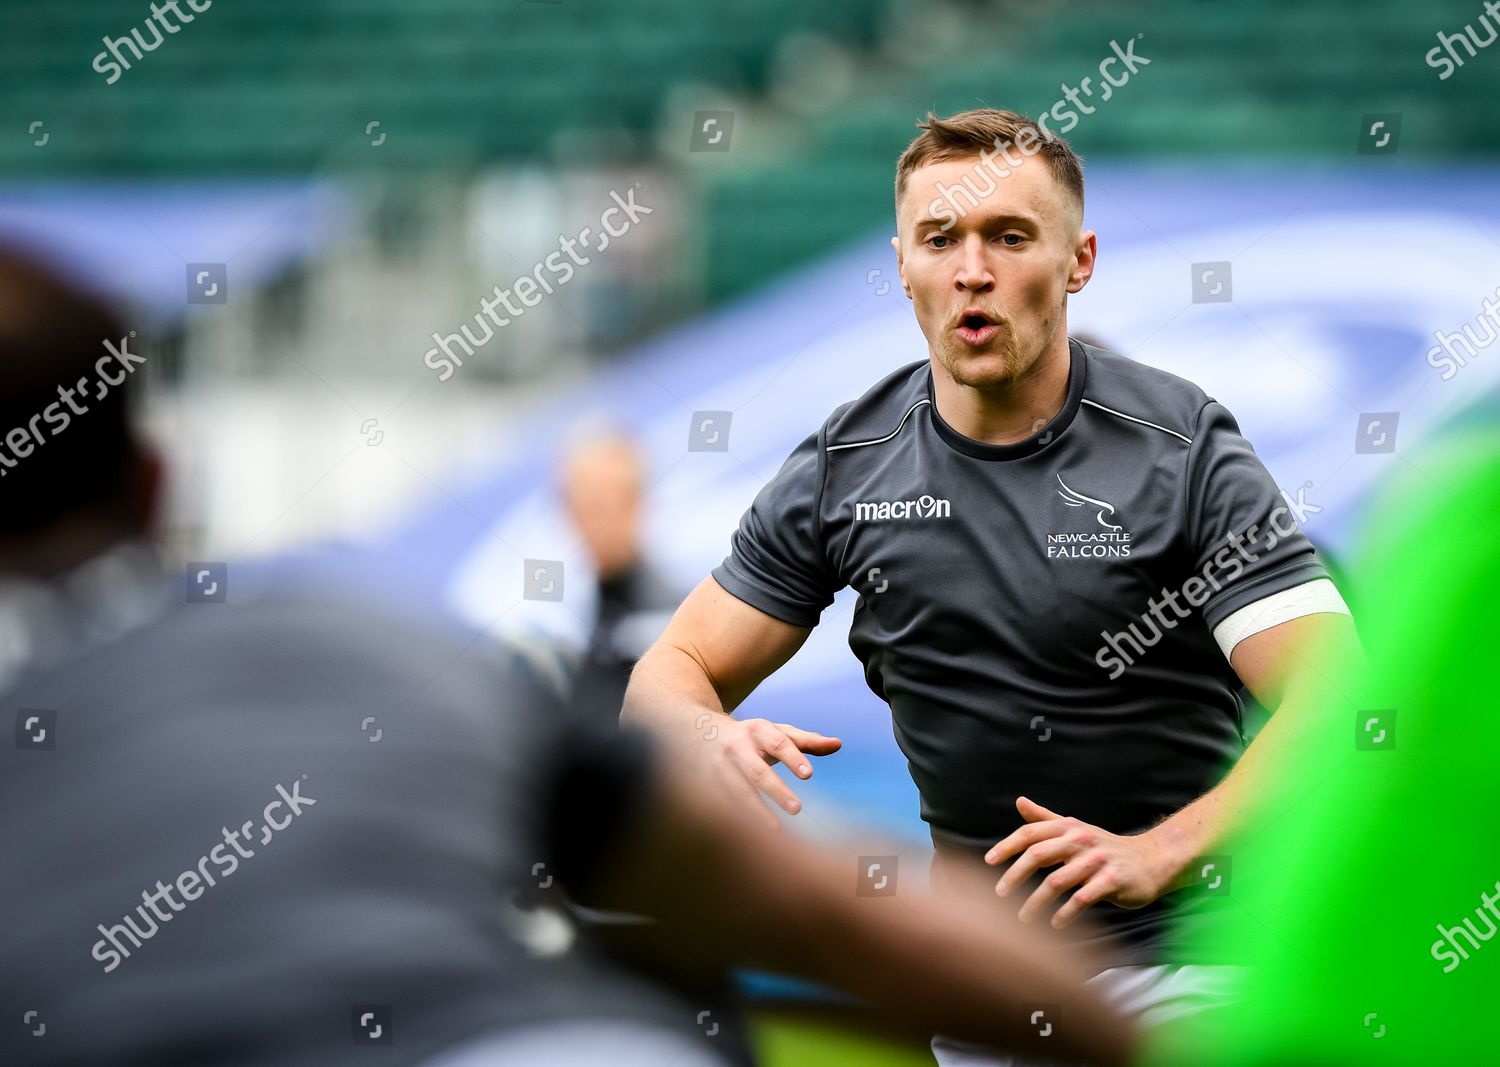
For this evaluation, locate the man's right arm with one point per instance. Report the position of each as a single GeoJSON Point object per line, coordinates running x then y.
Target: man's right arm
{"type": "Point", "coordinates": [712, 655]}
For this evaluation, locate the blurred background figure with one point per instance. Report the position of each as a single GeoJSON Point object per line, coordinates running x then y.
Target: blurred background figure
{"type": "Point", "coordinates": [602, 483]}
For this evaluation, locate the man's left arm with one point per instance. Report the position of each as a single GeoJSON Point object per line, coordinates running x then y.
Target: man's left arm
{"type": "Point", "coordinates": [1299, 670]}
{"type": "Point", "coordinates": [1290, 669]}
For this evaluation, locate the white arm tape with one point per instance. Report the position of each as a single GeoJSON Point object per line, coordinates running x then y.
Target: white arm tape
{"type": "Point", "coordinates": [1309, 598]}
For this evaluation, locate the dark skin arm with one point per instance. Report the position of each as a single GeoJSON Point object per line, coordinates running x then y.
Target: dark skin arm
{"type": "Point", "coordinates": [731, 890]}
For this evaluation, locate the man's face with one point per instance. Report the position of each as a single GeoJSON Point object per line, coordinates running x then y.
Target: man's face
{"type": "Point", "coordinates": [602, 490]}
{"type": "Point", "coordinates": [1014, 258]}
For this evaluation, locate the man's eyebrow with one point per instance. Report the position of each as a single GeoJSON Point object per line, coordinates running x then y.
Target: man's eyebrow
{"type": "Point", "coordinates": [994, 220]}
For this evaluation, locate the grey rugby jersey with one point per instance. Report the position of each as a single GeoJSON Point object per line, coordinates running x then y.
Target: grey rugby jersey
{"type": "Point", "coordinates": [999, 585]}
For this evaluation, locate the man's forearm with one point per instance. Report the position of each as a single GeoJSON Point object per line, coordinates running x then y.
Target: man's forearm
{"type": "Point", "coordinates": [669, 694]}
{"type": "Point", "coordinates": [674, 695]}
{"type": "Point", "coordinates": [1210, 821]}
{"type": "Point", "coordinates": [1253, 787]}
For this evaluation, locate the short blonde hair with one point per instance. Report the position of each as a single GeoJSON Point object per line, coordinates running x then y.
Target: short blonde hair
{"type": "Point", "coordinates": [969, 133]}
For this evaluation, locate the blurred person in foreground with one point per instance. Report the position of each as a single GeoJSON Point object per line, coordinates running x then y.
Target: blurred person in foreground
{"type": "Point", "coordinates": [289, 826]}
{"type": "Point", "coordinates": [1068, 564]}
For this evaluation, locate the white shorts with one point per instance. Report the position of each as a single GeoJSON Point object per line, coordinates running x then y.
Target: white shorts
{"type": "Point", "coordinates": [582, 1043]}
{"type": "Point", "coordinates": [1152, 995]}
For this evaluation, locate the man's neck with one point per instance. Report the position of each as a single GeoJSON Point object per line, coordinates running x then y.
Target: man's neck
{"type": "Point", "coordinates": [1011, 411]}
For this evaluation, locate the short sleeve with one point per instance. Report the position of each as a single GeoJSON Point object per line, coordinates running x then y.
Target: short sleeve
{"type": "Point", "coordinates": [776, 560]}
{"type": "Point", "coordinates": [1243, 535]}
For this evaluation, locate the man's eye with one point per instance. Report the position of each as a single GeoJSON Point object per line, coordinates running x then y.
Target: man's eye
{"type": "Point", "coordinates": [1012, 239]}
{"type": "Point", "coordinates": [938, 237]}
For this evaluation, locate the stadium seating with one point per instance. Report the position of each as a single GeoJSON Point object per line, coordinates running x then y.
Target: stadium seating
{"type": "Point", "coordinates": [455, 80]}
{"type": "Point", "coordinates": [467, 82]}
{"type": "Point", "coordinates": [1288, 79]}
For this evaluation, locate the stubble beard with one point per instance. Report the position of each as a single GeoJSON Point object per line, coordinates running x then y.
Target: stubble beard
{"type": "Point", "coordinates": [963, 362]}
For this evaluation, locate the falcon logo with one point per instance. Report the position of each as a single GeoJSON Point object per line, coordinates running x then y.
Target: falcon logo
{"type": "Point", "coordinates": [1110, 540]}
{"type": "Point", "coordinates": [1076, 499]}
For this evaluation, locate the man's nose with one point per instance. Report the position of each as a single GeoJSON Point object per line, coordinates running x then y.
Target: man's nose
{"type": "Point", "coordinates": [974, 272]}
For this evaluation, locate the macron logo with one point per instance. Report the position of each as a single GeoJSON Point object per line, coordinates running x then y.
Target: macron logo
{"type": "Point", "coordinates": [924, 507]}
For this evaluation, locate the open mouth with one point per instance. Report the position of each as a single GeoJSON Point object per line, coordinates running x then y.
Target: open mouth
{"type": "Point", "coordinates": [977, 328]}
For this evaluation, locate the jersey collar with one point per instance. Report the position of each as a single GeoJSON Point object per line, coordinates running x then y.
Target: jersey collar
{"type": "Point", "coordinates": [1077, 368]}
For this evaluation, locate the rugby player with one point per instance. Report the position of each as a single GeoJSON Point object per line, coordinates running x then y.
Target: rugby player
{"type": "Point", "coordinates": [1068, 563]}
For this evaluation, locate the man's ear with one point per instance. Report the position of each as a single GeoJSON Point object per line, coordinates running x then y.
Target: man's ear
{"type": "Point", "coordinates": [901, 265]}
{"type": "Point", "coordinates": [1084, 254]}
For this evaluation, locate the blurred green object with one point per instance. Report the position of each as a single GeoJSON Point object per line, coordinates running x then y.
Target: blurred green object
{"type": "Point", "coordinates": [1351, 904]}
{"type": "Point", "coordinates": [805, 1039]}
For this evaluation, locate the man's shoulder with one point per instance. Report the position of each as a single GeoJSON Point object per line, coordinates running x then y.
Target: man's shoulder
{"type": "Point", "coordinates": [288, 631]}
{"type": "Point", "coordinates": [1118, 385]}
{"type": "Point", "coordinates": [880, 411]}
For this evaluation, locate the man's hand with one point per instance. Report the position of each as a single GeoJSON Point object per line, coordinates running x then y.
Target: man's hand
{"type": "Point", "coordinates": [712, 655]}
{"type": "Point", "coordinates": [743, 751]}
{"type": "Point", "coordinates": [1130, 871]}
